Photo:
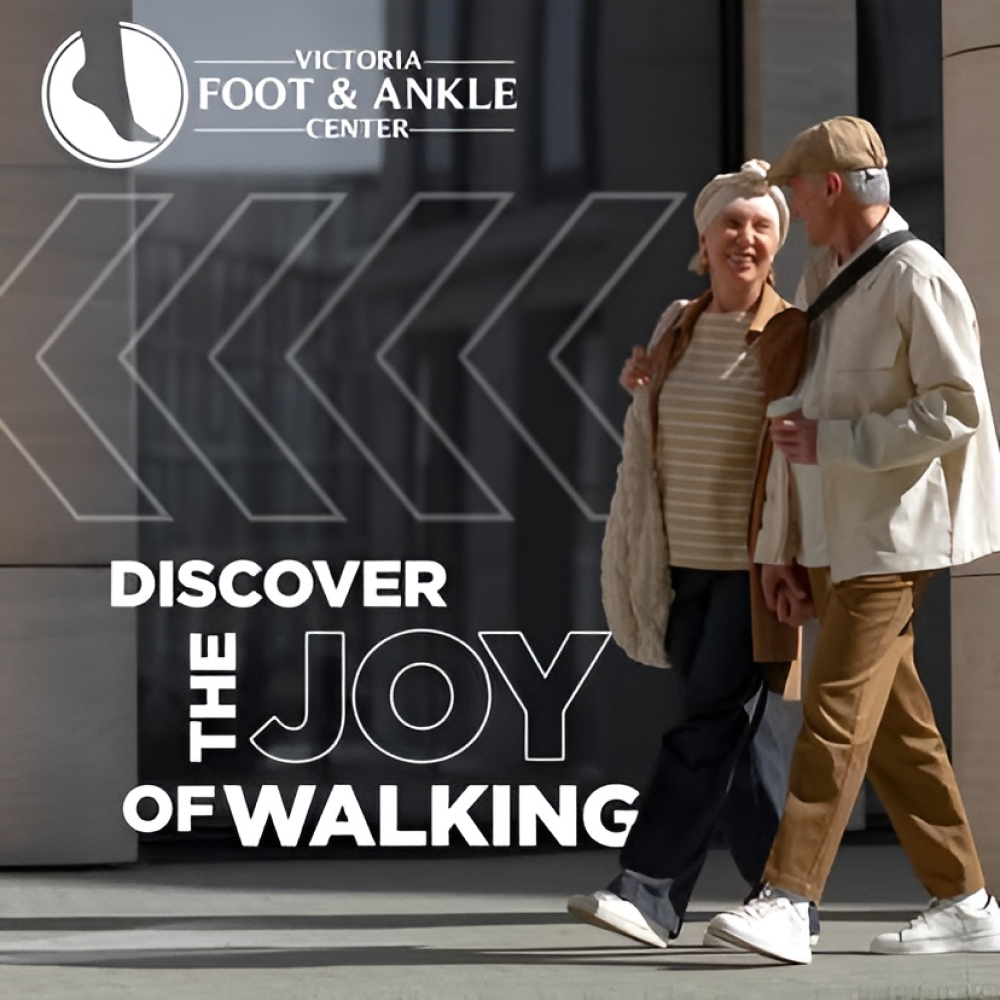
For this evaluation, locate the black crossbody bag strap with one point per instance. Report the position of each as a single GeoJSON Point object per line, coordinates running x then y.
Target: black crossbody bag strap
{"type": "Point", "coordinates": [854, 272]}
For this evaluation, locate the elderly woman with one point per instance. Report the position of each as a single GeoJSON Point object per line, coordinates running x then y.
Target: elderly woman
{"type": "Point", "coordinates": [676, 541]}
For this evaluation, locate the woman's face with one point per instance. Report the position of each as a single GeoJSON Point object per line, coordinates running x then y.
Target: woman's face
{"type": "Point", "coordinates": [741, 242]}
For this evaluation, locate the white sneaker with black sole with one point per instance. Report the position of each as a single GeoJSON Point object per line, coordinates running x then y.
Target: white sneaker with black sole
{"type": "Point", "coordinates": [945, 926]}
{"type": "Point", "coordinates": [609, 911]}
{"type": "Point", "coordinates": [771, 924]}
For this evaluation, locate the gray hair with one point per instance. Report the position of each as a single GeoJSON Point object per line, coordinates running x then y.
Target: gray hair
{"type": "Point", "coordinates": [869, 186]}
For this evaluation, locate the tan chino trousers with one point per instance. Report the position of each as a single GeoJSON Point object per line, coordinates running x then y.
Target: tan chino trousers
{"type": "Point", "coordinates": [864, 708]}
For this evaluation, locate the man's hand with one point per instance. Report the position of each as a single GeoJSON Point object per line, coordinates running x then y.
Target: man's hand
{"type": "Point", "coordinates": [639, 370]}
{"type": "Point", "coordinates": [785, 595]}
{"type": "Point", "coordinates": [775, 577]}
{"type": "Point", "coordinates": [791, 610]}
{"type": "Point", "coordinates": [795, 435]}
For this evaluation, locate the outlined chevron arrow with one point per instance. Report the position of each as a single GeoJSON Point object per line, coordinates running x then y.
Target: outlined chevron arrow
{"type": "Point", "coordinates": [97, 466]}
{"type": "Point", "coordinates": [67, 461]}
{"type": "Point", "coordinates": [671, 201]}
{"type": "Point", "coordinates": [595, 303]}
{"type": "Point", "coordinates": [293, 356]}
{"type": "Point", "coordinates": [102, 268]}
{"type": "Point", "coordinates": [326, 509]}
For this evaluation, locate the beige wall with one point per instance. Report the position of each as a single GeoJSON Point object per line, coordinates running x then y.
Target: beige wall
{"type": "Point", "coordinates": [67, 662]}
{"type": "Point", "coordinates": [971, 41]}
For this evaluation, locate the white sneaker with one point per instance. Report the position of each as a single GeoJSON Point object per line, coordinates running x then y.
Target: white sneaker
{"type": "Point", "coordinates": [944, 927]}
{"type": "Point", "coordinates": [711, 940]}
{"type": "Point", "coordinates": [605, 909]}
{"type": "Point", "coordinates": [770, 925]}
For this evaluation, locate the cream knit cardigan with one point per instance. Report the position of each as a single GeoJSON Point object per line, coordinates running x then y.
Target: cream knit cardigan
{"type": "Point", "coordinates": [635, 562]}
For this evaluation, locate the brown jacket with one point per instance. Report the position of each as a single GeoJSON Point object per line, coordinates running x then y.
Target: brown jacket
{"type": "Point", "coordinates": [782, 345]}
{"type": "Point", "coordinates": [635, 561]}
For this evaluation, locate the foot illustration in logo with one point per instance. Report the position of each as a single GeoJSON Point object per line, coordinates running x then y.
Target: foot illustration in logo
{"type": "Point", "coordinates": [114, 95]}
{"type": "Point", "coordinates": [101, 82]}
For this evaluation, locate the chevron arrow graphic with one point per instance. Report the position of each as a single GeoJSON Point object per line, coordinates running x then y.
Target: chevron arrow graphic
{"type": "Point", "coordinates": [667, 203]}
{"type": "Point", "coordinates": [216, 382]}
{"type": "Point", "coordinates": [466, 236]}
{"type": "Point", "coordinates": [88, 471]}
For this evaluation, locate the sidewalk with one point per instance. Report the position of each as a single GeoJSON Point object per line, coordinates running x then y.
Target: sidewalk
{"type": "Point", "coordinates": [489, 928]}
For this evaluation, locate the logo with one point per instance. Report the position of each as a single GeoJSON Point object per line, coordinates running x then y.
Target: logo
{"type": "Point", "coordinates": [114, 98]}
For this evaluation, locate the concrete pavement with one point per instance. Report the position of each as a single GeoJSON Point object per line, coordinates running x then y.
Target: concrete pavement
{"type": "Point", "coordinates": [473, 928]}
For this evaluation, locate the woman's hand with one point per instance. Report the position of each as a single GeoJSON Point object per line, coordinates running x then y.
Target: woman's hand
{"type": "Point", "coordinates": [796, 436]}
{"type": "Point", "coordinates": [639, 370]}
{"type": "Point", "coordinates": [774, 578]}
{"type": "Point", "coordinates": [785, 594]}
{"type": "Point", "coordinates": [791, 609]}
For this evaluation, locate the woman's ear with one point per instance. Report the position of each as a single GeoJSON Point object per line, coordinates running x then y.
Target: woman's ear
{"type": "Point", "coordinates": [702, 255]}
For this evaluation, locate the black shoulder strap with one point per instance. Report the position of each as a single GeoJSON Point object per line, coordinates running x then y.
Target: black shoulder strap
{"type": "Point", "coordinates": [855, 271]}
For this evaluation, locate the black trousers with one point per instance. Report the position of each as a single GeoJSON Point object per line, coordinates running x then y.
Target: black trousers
{"type": "Point", "coordinates": [706, 771]}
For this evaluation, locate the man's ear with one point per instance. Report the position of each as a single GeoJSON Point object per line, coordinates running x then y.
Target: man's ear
{"type": "Point", "coordinates": [834, 184]}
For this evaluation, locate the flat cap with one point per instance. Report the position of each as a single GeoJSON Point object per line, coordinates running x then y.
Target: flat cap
{"type": "Point", "coordinates": [838, 144]}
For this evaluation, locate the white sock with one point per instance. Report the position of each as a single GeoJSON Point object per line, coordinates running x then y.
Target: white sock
{"type": "Point", "coordinates": [795, 897]}
{"type": "Point", "coordinates": [974, 900]}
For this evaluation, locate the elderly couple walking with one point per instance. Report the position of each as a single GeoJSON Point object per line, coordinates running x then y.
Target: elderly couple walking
{"type": "Point", "coordinates": [879, 465]}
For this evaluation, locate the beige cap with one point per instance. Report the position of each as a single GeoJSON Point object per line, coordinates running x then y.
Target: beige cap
{"type": "Point", "coordinates": [838, 144]}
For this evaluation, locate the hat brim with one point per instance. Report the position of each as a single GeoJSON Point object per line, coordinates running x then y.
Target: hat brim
{"type": "Point", "coordinates": [780, 178]}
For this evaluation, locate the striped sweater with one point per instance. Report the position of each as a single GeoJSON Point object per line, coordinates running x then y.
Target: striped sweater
{"type": "Point", "coordinates": [711, 409]}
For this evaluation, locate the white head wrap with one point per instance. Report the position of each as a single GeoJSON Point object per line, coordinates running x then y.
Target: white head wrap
{"type": "Point", "coordinates": [749, 182]}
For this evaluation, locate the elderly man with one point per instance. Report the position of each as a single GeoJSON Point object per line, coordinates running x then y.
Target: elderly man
{"type": "Point", "coordinates": [895, 473]}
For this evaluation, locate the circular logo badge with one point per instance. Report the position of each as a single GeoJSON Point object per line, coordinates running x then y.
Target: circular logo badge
{"type": "Point", "coordinates": [115, 100]}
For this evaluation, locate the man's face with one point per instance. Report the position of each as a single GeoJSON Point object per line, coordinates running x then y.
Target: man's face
{"type": "Point", "coordinates": [811, 203]}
